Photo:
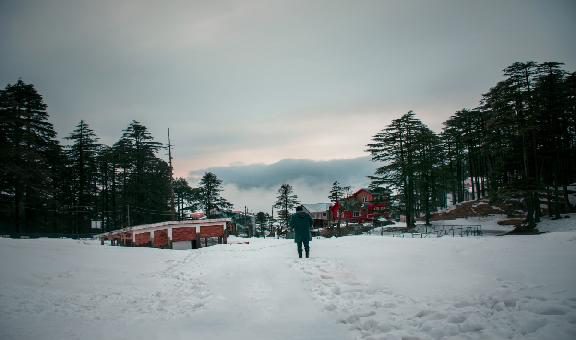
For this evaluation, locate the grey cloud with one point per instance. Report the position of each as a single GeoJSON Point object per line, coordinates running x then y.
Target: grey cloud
{"type": "Point", "coordinates": [352, 172]}
{"type": "Point", "coordinates": [213, 64]}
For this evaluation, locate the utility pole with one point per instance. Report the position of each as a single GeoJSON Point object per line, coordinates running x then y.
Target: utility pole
{"type": "Point", "coordinates": [172, 209]}
{"type": "Point", "coordinates": [246, 223]}
{"type": "Point", "coordinates": [128, 213]}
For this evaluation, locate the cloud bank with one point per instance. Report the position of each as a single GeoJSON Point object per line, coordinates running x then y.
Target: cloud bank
{"type": "Point", "coordinates": [255, 185]}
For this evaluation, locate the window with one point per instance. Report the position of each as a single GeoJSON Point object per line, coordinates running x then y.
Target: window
{"type": "Point", "coordinates": [356, 214]}
{"type": "Point", "coordinates": [324, 214]}
{"type": "Point", "coordinates": [365, 199]}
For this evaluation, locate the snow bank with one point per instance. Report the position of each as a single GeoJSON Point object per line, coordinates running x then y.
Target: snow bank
{"type": "Point", "coordinates": [563, 224]}
{"type": "Point", "coordinates": [450, 288]}
{"type": "Point", "coordinates": [362, 287]}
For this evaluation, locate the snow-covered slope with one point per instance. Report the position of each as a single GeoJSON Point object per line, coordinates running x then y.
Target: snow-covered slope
{"type": "Point", "coordinates": [363, 287]}
{"type": "Point", "coordinates": [566, 223]}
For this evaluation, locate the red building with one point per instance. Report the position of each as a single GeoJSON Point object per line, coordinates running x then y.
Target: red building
{"type": "Point", "coordinates": [362, 206]}
{"type": "Point", "coordinates": [187, 234]}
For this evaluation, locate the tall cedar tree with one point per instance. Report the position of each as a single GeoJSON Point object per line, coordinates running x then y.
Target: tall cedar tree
{"type": "Point", "coordinates": [109, 195]}
{"type": "Point", "coordinates": [29, 154]}
{"type": "Point", "coordinates": [465, 147]}
{"type": "Point", "coordinates": [187, 198]}
{"type": "Point", "coordinates": [82, 157]}
{"type": "Point", "coordinates": [285, 201]}
{"type": "Point", "coordinates": [406, 147]}
{"type": "Point", "coordinates": [144, 179]}
{"type": "Point", "coordinates": [429, 162]}
{"type": "Point", "coordinates": [210, 195]}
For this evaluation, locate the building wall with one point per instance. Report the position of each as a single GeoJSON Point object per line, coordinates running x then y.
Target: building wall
{"type": "Point", "coordinates": [367, 210]}
{"type": "Point", "coordinates": [363, 196]}
{"type": "Point", "coordinates": [142, 239]}
{"type": "Point", "coordinates": [183, 234]}
{"type": "Point", "coordinates": [211, 231]}
{"type": "Point", "coordinates": [161, 239]}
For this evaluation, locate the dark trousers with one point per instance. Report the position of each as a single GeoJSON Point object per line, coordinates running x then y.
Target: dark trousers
{"type": "Point", "coordinates": [306, 246]}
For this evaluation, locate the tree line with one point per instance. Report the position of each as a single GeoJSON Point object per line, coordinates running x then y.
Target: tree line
{"type": "Point", "coordinates": [519, 143]}
{"type": "Point", "coordinates": [46, 187]}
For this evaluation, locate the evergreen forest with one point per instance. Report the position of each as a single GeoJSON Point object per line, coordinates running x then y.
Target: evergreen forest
{"type": "Point", "coordinates": [518, 145]}
{"type": "Point", "coordinates": [50, 188]}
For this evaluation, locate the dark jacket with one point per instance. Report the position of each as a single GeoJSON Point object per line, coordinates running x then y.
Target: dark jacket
{"type": "Point", "coordinates": [302, 223]}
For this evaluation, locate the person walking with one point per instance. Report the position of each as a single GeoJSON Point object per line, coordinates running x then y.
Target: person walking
{"type": "Point", "coordinates": [302, 223]}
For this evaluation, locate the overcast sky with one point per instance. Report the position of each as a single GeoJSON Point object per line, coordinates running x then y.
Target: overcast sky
{"type": "Point", "coordinates": [257, 82]}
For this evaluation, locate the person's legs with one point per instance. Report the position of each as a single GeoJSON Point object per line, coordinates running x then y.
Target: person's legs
{"type": "Point", "coordinates": [306, 248]}
{"type": "Point", "coordinates": [299, 244]}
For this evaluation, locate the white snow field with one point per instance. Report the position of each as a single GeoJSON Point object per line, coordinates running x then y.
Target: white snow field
{"type": "Point", "coordinates": [358, 287]}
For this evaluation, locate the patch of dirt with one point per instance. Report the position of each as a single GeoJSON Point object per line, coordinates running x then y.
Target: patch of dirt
{"type": "Point", "coordinates": [512, 221]}
{"type": "Point", "coordinates": [520, 231]}
{"type": "Point", "coordinates": [469, 209]}
{"type": "Point", "coordinates": [481, 208]}
{"type": "Point", "coordinates": [351, 229]}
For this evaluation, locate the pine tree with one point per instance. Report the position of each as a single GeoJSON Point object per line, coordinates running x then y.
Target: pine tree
{"type": "Point", "coordinates": [429, 161]}
{"type": "Point", "coordinates": [29, 155]}
{"type": "Point", "coordinates": [82, 157]}
{"type": "Point", "coordinates": [396, 147]}
{"type": "Point", "coordinates": [186, 197]}
{"type": "Point", "coordinates": [285, 201]}
{"type": "Point", "coordinates": [553, 140]}
{"type": "Point", "coordinates": [210, 195]}
{"type": "Point", "coordinates": [465, 138]}
{"type": "Point", "coordinates": [109, 196]}
{"type": "Point", "coordinates": [570, 114]}
{"type": "Point", "coordinates": [336, 195]}
{"type": "Point", "coordinates": [262, 221]}
{"type": "Point", "coordinates": [336, 192]}
{"type": "Point", "coordinates": [144, 186]}
{"type": "Point", "coordinates": [513, 110]}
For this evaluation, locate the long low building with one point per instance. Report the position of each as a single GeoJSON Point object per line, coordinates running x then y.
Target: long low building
{"type": "Point", "coordinates": [171, 234]}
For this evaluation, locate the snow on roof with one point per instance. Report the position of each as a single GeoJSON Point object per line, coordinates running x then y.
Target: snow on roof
{"type": "Point", "coordinates": [316, 207]}
{"type": "Point", "coordinates": [165, 224]}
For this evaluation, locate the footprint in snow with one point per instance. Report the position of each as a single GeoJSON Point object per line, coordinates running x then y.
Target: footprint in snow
{"type": "Point", "coordinates": [457, 318]}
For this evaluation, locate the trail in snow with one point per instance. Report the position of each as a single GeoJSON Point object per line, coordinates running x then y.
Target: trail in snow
{"type": "Point", "coordinates": [260, 297]}
{"type": "Point", "coordinates": [62, 289]}
{"type": "Point", "coordinates": [513, 311]}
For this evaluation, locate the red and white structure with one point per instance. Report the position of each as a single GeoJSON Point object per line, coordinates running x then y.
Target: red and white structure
{"type": "Point", "coordinates": [367, 208]}
{"type": "Point", "coordinates": [172, 234]}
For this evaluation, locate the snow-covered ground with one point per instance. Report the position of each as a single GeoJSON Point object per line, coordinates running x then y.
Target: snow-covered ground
{"type": "Point", "coordinates": [358, 287]}
{"type": "Point", "coordinates": [489, 224]}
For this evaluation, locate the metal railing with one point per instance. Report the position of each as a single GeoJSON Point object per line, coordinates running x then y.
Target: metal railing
{"type": "Point", "coordinates": [439, 230]}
